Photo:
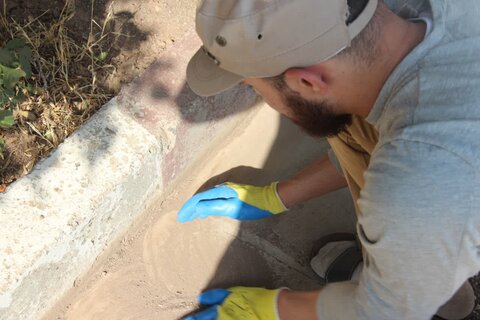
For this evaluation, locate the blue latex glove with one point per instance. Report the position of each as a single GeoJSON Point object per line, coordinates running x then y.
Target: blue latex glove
{"type": "Point", "coordinates": [237, 201]}
{"type": "Point", "coordinates": [238, 303]}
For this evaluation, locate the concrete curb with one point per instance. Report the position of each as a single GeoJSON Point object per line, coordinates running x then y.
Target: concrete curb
{"type": "Point", "coordinates": [57, 220]}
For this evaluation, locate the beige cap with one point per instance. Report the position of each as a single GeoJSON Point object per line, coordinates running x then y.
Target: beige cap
{"type": "Point", "coordinates": [264, 38]}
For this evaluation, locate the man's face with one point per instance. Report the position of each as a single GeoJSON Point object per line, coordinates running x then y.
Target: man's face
{"type": "Point", "coordinates": [317, 118]}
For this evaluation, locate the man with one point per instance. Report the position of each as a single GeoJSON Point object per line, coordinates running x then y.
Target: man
{"type": "Point", "coordinates": [394, 87]}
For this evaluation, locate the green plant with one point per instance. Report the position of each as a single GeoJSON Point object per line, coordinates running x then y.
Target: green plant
{"type": "Point", "coordinates": [2, 149]}
{"type": "Point", "coordinates": [69, 82]}
{"type": "Point", "coordinates": [15, 64]}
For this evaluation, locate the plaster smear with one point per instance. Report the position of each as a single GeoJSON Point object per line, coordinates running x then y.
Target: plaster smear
{"type": "Point", "coordinates": [158, 268]}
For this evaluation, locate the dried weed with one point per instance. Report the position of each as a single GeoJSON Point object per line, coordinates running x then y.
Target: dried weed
{"type": "Point", "coordinates": [66, 86]}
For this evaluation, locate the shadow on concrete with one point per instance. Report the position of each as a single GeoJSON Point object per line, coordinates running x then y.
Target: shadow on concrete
{"type": "Point", "coordinates": [213, 109]}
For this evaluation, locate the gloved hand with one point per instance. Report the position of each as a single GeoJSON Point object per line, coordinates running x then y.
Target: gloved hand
{"type": "Point", "coordinates": [237, 201]}
{"type": "Point", "coordinates": [238, 303]}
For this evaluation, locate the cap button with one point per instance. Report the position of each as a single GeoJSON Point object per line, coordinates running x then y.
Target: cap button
{"type": "Point", "coordinates": [221, 41]}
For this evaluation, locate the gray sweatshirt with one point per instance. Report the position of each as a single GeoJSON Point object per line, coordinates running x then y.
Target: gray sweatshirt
{"type": "Point", "coordinates": [420, 222]}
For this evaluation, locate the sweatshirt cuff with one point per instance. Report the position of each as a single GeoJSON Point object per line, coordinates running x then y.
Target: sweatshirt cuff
{"type": "Point", "coordinates": [337, 301]}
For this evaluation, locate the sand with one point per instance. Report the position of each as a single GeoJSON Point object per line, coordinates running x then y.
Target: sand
{"type": "Point", "coordinates": [157, 269]}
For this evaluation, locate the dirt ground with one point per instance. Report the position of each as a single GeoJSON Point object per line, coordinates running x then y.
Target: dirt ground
{"type": "Point", "coordinates": [145, 28]}
{"type": "Point", "coordinates": [140, 31]}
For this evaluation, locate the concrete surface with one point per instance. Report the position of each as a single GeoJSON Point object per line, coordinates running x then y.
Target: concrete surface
{"type": "Point", "coordinates": [56, 221]}
{"type": "Point", "coordinates": [159, 266]}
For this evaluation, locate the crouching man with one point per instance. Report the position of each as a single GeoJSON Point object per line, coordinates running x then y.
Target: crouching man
{"type": "Point", "coordinates": [394, 87]}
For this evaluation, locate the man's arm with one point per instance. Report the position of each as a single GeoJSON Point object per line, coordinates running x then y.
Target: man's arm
{"type": "Point", "coordinates": [245, 202]}
{"type": "Point", "coordinates": [293, 305]}
{"type": "Point", "coordinates": [319, 178]}
{"type": "Point", "coordinates": [418, 206]}
{"type": "Point", "coordinates": [415, 229]}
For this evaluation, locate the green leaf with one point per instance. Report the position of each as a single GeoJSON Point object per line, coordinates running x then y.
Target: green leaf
{"type": "Point", "coordinates": [11, 76]}
{"type": "Point", "coordinates": [17, 54]}
{"type": "Point", "coordinates": [3, 98]}
{"type": "Point", "coordinates": [6, 118]}
{"type": "Point", "coordinates": [10, 92]}
{"type": "Point", "coordinates": [15, 64]}
{"type": "Point", "coordinates": [16, 43]}
{"type": "Point", "coordinates": [102, 56]}
{"type": "Point", "coordinates": [25, 59]}
{"type": "Point", "coordinates": [6, 57]}
{"type": "Point", "coordinates": [2, 148]}
{"type": "Point", "coordinates": [18, 98]}
{"type": "Point", "coordinates": [30, 89]}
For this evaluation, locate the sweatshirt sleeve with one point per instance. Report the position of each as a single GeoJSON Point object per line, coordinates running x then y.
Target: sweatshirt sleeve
{"type": "Point", "coordinates": [420, 240]}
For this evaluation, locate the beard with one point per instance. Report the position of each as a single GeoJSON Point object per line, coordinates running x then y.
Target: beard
{"type": "Point", "coordinates": [316, 118]}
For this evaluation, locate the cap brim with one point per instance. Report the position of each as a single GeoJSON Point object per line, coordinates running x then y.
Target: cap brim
{"type": "Point", "coordinates": [363, 19]}
{"type": "Point", "coordinates": [206, 78]}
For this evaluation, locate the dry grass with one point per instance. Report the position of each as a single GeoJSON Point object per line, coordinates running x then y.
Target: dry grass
{"type": "Point", "coordinates": [65, 82]}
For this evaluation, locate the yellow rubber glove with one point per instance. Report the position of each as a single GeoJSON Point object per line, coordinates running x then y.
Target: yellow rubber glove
{"type": "Point", "coordinates": [238, 303]}
{"type": "Point", "coordinates": [237, 201]}
{"type": "Point", "coordinates": [264, 198]}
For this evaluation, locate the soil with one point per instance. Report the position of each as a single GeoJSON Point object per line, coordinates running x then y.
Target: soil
{"type": "Point", "coordinates": [141, 31]}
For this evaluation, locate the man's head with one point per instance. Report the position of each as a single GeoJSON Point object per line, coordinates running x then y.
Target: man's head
{"type": "Point", "coordinates": [321, 117]}
{"type": "Point", "coordinates": [263, 38]}
{"type": "Point", "coordinates": [291, 52]}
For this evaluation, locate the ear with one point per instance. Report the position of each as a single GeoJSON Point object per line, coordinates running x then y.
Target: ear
{"type": "Point", "coordinates": [309, 82]}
